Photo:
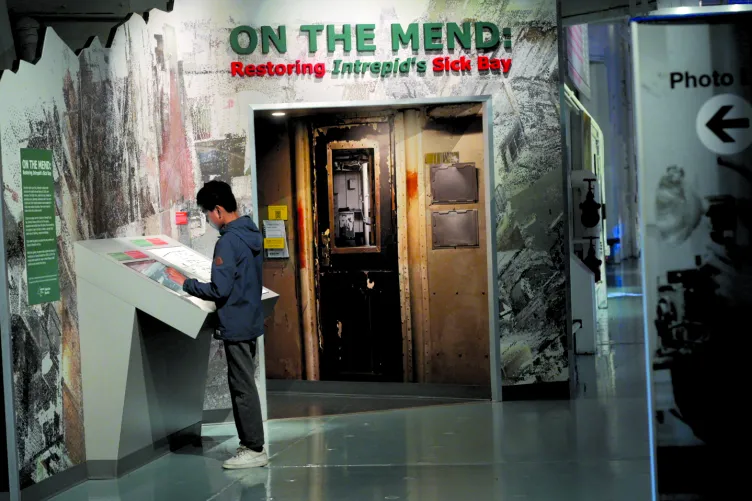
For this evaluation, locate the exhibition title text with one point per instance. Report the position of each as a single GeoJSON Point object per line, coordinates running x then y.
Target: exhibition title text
{"type": "Point", "coordinates": [431, 37]}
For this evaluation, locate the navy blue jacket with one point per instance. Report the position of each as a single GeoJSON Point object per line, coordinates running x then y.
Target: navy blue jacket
{"type": "Point", "coordinates": [235, 281]}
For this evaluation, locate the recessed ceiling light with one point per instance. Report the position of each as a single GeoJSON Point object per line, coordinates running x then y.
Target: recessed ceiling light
{"type": "Point", "coordinates": [278, 114]}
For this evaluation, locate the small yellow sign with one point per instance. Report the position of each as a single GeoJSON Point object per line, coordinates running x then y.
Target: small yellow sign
{"type": "Point", "coordinates": [278, 212]}
{"type": "Point", "coordinates": [274, 243]}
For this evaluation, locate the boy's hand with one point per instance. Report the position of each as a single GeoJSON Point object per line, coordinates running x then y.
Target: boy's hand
{"type": "Point", "coordinates": [175, 276]}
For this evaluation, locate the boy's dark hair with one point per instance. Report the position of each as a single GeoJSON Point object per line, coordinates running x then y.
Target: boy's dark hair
{"type": "Point", "coordinates": [214, 194]}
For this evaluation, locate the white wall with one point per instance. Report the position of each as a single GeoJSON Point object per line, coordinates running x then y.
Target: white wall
{"type": "Point", "coordinates": [7, 52]}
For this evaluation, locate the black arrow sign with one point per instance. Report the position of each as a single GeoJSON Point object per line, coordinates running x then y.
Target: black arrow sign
{"type": "Point", "coordinates": [718, 124]}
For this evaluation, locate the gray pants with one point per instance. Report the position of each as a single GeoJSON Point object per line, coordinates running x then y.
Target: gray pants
{"type": "Point", "coordinates": [246, 407]}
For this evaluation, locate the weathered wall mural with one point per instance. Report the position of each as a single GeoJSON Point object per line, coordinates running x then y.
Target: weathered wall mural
{"type": "Point", "coordinates": [138, 127]}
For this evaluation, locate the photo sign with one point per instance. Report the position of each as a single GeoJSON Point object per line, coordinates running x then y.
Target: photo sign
{"type": "Point", "coordinates": [694, 131]}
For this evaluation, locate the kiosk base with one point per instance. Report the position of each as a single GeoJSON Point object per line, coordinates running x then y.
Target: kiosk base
{"type": "Point", "coordinates": [105, 469]}
{"type": "Point", "coordinates": [143, 383]}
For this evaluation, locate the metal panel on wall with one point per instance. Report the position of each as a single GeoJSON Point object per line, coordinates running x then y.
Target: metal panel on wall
{"type": "Point", "coordinates": [452, 229]}
{"type": "Point", "coordinates": [455, 183]}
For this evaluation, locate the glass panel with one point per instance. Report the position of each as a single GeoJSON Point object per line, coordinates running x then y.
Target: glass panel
{"type": "Point", "coordinates": [354, 198]}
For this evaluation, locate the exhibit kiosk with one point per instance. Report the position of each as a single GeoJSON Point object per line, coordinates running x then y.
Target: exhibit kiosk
{"type": "Point", "coordinates": [144, 349]}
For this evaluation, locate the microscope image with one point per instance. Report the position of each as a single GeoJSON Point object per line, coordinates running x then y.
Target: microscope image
{"type": "Point", "coordinates": [697, 311]}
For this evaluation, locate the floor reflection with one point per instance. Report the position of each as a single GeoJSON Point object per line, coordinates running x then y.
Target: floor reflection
{"type": "Point", "coordinates": [593, 448]}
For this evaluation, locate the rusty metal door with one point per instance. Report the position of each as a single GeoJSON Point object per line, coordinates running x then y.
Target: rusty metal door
{"type": "Point", "coordinates": [357, 279]}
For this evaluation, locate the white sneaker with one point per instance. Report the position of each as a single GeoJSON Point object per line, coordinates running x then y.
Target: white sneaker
{"type": "Point", "coordinates": [246, 458]}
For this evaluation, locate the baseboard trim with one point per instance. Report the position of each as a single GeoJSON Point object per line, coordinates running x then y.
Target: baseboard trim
{"type": "Point", "coordinates": [109, 469]}
{"type": "Point", "coordinates": [537, 391]}
{"type": "Point", "coordinates": [55, 484]}
{"type": "Point", "coordinates": [369, 389]}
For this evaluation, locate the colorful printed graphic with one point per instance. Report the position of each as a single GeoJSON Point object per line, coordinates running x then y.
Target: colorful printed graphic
{"type": "Point", "coordinates": [157, 272]}
{"type": "Point", "coordinates": [136, 254]}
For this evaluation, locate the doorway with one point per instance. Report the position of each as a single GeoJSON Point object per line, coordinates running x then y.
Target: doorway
{"type": "Point", "coordinates": [357, 276]}
{"type": "Point", "coordinates": [389, 235]}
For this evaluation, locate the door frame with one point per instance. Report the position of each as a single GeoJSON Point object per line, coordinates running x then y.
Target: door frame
{"type": "Point", "coordinates": [486, 101]}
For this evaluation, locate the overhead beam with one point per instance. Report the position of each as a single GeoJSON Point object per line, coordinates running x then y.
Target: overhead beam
{"type": "Point", "coordinates": [593, 11]}
{"type": "Point", "coordinates": [78, 8]}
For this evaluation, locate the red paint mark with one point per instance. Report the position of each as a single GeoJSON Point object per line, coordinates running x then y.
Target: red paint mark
{"type": "Point", "coordinates": [175, 165]}
{"type": "Point", "coordinates": [412, 185]}
{"type": "Point", "coordinates": [13, 194]}
{"type": "Point", "coordinates": [230, 104]}
{"type": "Point", "coordinates": [301, 236]}
{"type": "Point", "coordinates": [181, 218]}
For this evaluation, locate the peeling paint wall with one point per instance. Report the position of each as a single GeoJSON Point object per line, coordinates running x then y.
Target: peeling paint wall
{"type": "Point", "coordinates": [136, 128]}
{"type": "Point", "coordinates": [283, 342]}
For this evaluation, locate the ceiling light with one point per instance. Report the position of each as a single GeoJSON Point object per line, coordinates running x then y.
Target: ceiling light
{"type": "Point", "coordinates": [278, 114]}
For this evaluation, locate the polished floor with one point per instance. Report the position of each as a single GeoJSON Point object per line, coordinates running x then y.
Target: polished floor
{"type": "Point", "coordinates": [593, 448]}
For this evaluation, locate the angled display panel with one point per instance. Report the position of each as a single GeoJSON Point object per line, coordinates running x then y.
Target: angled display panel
{"type": "Point", "coordinates": [144, 348]}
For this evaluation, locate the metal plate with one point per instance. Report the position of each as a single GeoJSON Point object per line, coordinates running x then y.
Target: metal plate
{"type": "Point", "coordinates": [454, 229]}
{"type": "Point", "coordinates": [454, 183]}
{"type": "Point", "coordinates": [447, 157]}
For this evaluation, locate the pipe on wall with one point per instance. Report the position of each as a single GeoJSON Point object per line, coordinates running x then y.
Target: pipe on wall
{"type": "Point", "coordinates": [7, 47]}
{"type": "Point", "coordinates": [27, 32]}
{"type": "Point", "coordinates": [306, 244]}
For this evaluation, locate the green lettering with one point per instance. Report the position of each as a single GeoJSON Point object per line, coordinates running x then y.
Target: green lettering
{"type": "Point", "coordinates": [313, 33]}
{"type": "Point", "coordinates": [279, 40]}
{"type": "Point", "coordinates": [430, 35]}
{"type": "Point", "coordinates": [347, 68]}
{"type": "Point", "coordinates": [463, 36]}
{"type": "Point", "coordinates": [402, 38]}
{"type": "Point", "coordinates": [332, 38]}
{"type": "Point", "coordinates": [365, 67]}
{"type": "Point", "coordinates": [480, 41]}
{"type": "Point", "coordinates": [375, 67]}
{"type": "Point", "coordinates": [235, 40]}
{"type": "Point", "coordinates": [364, 34]}
{"type": "Point", "coordinates": [335, 70]}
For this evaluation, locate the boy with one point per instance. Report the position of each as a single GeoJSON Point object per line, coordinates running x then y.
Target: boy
{"type": "Point", "coordinates": [236, 290]}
